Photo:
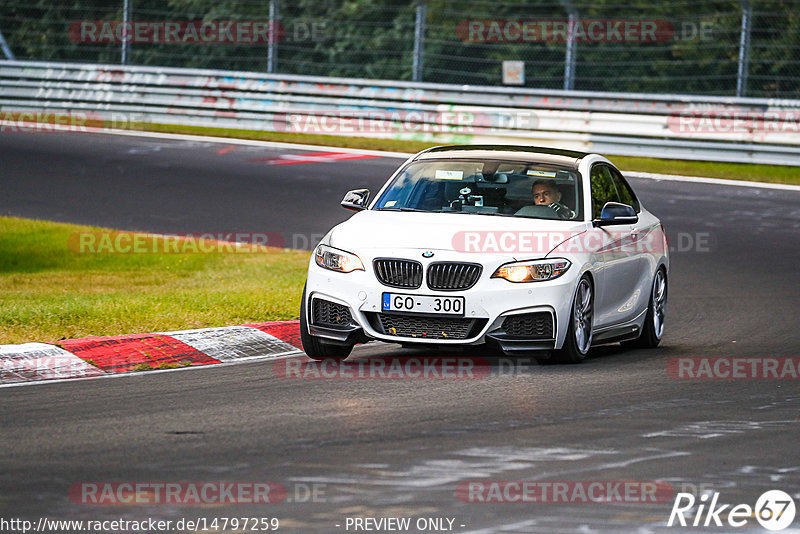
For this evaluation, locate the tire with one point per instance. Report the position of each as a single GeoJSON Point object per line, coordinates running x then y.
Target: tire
{"type": "Point", "coordinates": [315, 348]}
{"type": "Point", "coordinates": [653, 329]}
{"type": "Point", "coordinates": [579, 334]}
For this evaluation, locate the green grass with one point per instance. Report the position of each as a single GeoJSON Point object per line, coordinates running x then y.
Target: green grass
{"type": "Point", "coordinates": [732, 171]}
{"type": "Point", "coordinates": [779, 174]}
{"type": "Point", "coordinates": [390, 145]}
{"type": "Point", "coordinates": [51, 292]}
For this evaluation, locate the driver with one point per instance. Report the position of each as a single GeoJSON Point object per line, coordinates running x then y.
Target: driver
{"type": "Point", "coordinates": [546, 193]}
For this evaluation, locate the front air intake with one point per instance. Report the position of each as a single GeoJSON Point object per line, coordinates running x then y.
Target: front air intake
{"type": "Point", "coordinates": [327, 313]}
{"type": "Point", "coordinates": [453, 276]}
{"type": "Point", "coordinates": [406, 274]}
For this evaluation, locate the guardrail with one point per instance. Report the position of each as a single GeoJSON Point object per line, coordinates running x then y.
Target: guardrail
{"type": "Point", "coordinates": [666, 126]}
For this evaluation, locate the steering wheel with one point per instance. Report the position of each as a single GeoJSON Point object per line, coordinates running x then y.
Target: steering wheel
{"type": "Point", "coordinates": [561, 210]}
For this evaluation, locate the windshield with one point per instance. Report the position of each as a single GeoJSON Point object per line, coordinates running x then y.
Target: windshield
{"type": "Point", "coordinates": [503, 188]}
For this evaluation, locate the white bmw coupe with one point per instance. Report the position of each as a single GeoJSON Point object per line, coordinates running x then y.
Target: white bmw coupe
{"type": "Point", "coordinates": [533, 251]}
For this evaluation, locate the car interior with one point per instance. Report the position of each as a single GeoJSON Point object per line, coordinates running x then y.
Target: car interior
{"type": "Point", "coordinates": [500, 190]}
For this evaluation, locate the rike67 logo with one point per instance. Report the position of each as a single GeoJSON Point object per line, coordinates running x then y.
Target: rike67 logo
{"type": "Point", "coordinates": [774, 510]}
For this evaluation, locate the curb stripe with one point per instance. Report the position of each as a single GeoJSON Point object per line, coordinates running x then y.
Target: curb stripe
{"type": "Point", "coordinates": [233, 342]}
{"type": "Point", "coordinates": [39, 361]}
{"type": "Point", "coordinates": [111, 355]}
{"type": "Point", "coordinates": [288, 331]}
{"type": "Point", "coordinates": [119, 354]}
{"type": "Point", "coordinates": [310, 157]}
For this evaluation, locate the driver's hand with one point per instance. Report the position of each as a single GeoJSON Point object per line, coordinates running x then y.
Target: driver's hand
{"type": "Point", "coordinates": [562, 211]}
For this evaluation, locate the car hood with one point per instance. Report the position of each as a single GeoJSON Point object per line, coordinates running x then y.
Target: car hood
{"type": "Point", "coordinates": [456, 232]}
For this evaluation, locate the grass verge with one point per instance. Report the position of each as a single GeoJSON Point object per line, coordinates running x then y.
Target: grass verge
{"type": "Point", "coordinates": [780, 174]}
{"type": "Point", "coordinates": [50, 291]}
{"type": "Point", "coordinates": [776, 174]}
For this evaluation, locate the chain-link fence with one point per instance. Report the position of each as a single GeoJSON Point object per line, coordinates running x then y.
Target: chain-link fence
{"type": "Point", "coordinates": [714, 47]}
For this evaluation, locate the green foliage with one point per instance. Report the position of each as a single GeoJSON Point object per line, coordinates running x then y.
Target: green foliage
{"type": "Point", "coordinates": [375, 39]}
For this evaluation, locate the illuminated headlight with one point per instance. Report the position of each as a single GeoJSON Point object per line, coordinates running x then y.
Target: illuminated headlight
{"type": "Point", "coordinates": [532, 271]}
{"type": "Point", "coordinates": [337, 260]}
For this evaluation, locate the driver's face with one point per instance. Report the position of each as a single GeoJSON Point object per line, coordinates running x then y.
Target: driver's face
{"type": "Point", "coordinates": [545, 195]}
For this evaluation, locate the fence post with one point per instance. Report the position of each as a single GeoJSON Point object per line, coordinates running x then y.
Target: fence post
{"type": "Point", "coordinates": [744, 48]}
{"type": "Point", "coordinates": [419, 42]}
{"type": "Point", "coordinates": [569, 60]}
{"type": "Point", "coordinates": [4, 46]}
{"type": "Point", "coordinates": [126, 37]}
{"type": "Point", "coordinates": [272, 45]}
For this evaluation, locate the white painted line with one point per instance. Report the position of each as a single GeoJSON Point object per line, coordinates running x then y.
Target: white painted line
{"type": "Point", "coordinates": [715, 181]}
{"type": "Point", "coordinates": [39, 361]}
{"type": "Point", "coordinates": [253, 142]}
{"type": "Point", "coordinates": [231, 343]}
{"type": "Point", "coordinates": [403, 155]}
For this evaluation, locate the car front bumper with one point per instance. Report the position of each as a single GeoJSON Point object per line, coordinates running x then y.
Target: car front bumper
{"type": "Point", "coordinates": [486, 306]}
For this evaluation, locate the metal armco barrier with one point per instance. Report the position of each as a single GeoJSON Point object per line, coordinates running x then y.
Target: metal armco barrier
{"type": "Point", "coordinates": [664, 126]}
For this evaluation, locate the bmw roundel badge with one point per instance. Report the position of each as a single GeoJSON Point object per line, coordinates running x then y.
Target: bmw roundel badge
{"type": "Point", "coordinates": [427, 254]}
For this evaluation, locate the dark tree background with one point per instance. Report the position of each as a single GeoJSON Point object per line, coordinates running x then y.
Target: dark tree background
{"type": "Point", "coordinates": [375, 39]}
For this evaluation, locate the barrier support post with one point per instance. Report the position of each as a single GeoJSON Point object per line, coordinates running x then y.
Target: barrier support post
{"type": "Point", "coordinates": [744, 49]}
{"type": "Point", "coordinates": [272, 45]}
{"type": "Point", "coordinates": [6, 49]}
{"type": "Point", "coordinates": [569, 59]}
{"type": "Point", "coordinates": [419, 41]}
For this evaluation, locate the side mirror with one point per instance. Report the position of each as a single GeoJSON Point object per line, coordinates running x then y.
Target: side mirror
{"type": "Point", "coordinates": [356, 199]}
{"type": "Point", "coordinates": [616, 213]}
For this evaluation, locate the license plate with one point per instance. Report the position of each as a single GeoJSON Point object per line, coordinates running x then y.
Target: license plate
{"type": "Point", "coordinates": [423, 304]}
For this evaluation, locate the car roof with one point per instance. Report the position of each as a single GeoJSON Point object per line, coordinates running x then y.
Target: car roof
{"type": "Point", "coordinates": [533, 154]}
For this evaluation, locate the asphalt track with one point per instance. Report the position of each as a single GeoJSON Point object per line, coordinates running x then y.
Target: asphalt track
{"type": "Point", "coordinates": [400, 448]}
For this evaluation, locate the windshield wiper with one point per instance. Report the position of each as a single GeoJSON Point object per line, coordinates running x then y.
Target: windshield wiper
{"type": "Point", "coordinates": [402, 209]}
{"type": "Point", "coordinates": [493, 214]}
{"type": "Point", "coordinates": [439, 211]}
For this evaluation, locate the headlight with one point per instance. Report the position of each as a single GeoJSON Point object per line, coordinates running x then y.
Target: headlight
{"type": "Point", "coordinates": [337, 260]}
{"type": "Point", "coordinates": [532, 271]}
